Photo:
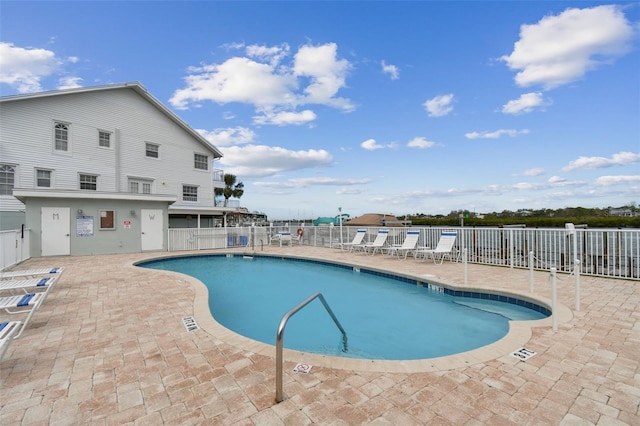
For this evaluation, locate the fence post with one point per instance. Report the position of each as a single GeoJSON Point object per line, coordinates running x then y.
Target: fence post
{"type": "Point", "coordinates": [531, 271]}
{"type": "Point", "coordinates": [576, 271]}
{"type": "Point", "coordinates": [464, 262]}
{"type": "Point", "coordinates": [554, 317]}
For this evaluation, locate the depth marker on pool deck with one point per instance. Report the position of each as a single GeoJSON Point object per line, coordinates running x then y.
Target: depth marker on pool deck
{"type": "Point", "coordinates": [302, 368]}
{"type": "Point", "coordinates": [190, 324]}
{"type": "Point", "coordinates": [523, 354]}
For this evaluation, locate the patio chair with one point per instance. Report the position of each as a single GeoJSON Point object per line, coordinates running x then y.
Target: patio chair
{"type": "Point", "coordinates": [282, 238]}
{"type": "Point", "coordinates": [442, 250]}
{"type": "Point", "coordinates": [40, 285]}
{"type": "Point", "coordinates": [31, 273]}
{"type": "Point", "coordinates": [7, 330]}
{"type": "Point", "coordinates": [357, 240]}
{"type": "Point", "coordinates": [408, 245]}
{"type": "Point", "coordinates": [377, 244]}
{"type": "Point", "coordinates": [22, 304]}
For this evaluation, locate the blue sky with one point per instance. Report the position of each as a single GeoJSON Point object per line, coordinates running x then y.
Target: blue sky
{"type": "Point", "coordinates": [375, 107]}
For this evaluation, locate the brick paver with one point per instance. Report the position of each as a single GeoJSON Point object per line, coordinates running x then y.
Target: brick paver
{"type": "Point", "coordinates": [108, 347]}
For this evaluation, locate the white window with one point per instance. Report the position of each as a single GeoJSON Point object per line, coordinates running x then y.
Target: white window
{"type": "Point", "coordinates": [61, 137]}
{"type": "Point", "coordinates": [140, 186]}
{"type": "Point", "coordinates": [89, 182]}
{"type": "Point", "coordinates": [7, 179]}
{"type": "Point", "coordinates": [201, 161]}
{"type": "Point", "coordinates": [104, 139]}
{"type": "Point", "coordinates": [189, 193]}
{"type": "Point", "coordinates": [43, 178]}
{"type": "Point", "coordinates": [152, 150]}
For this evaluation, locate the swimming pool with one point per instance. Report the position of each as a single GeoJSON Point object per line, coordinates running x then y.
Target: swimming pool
{"type": "Point", "coordinates": [385, 316]}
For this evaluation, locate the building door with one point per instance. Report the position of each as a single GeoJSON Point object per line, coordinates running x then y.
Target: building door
{"type": "Point", "coordinates": [56, 236]}
{"type": "Point", "coordinates": [151, 225]}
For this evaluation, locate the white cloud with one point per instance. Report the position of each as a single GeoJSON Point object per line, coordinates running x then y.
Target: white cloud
{"type": "Point", "coordinates": [392, 70]}
{"type": "Point", "coordinates": [263, 79]}
{"type": "Point", "coordinates": [285, 117]}
{"type": "Point", "coordinates": [228, 137]}
{"type": "Point", "coordinates": [23, 69]}
{"type": "Point", "coordinates": [560, 49]}
{"type": "Point", "coordinates": [372, 145]}
{"type": "Point", "coordinates": [420, 142]}
{"type": "Point", "coordinates": [261, 160]}
{"type": "Point", "coordinates": [349, 191]}
{"type": "Point", "coordinates": [616, 180]}
{"type": "Point", "coordinates": [556, 179]}
{"type": "Point", "coordinates": [525, 103]}
{"type": "Point", "coordinates": [69, 83]}
{"type": "Point", "coordinates": [497, 134]}
{"type": "Point", "coordinates": [439, 106]}
{"type": "Point", "coordinates": [313, 181]}
{"type": "Point", "coordinates": [619, 159]}
{"type": "Point", "coordinates": [537, 171]}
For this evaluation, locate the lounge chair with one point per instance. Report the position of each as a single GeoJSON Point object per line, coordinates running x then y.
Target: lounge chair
{"type": "Point", "coordinates": [7, 330]}
{"type": "Point", "coordinates": [377, 244]}
{"type": "Point", "coordinates": [31, 273]}
{"type": "Point", "coordinates": [283, 238]}
{"type": "Point", "coordinates": [442, 250]}
{"type": "Point", "coordinates": [22, 304]}
{"type": "Point", "coordinates": [408, 245]}
{"type": "Point", "coordinates": [41, 285]}
{"type": "Point", "coordinates": [357, 240]}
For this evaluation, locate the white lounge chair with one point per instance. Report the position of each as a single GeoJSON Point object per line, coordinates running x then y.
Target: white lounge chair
{"type": "Point", "coordinates": [357, 240]}
{"type": "Point", "coordinates": [22, 304]}
{"type": "Point", "coordinates": [7, 330]}
{"type": "Point", "coordinates": [31, 273]}
{"type": "Point", "coordinates": [442, 250]}
{"type": "Point", "coordinates": [283, 238]}
{"type": "Point", "coordinates": [41, 285]}
{"type": "Point", "coordinates": [377, 244]}
{"type": "Point", "coordinates": [408, 245]}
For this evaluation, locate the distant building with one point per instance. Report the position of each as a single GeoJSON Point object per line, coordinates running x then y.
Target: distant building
{"type": "Point", "coordinates": [623, 212]}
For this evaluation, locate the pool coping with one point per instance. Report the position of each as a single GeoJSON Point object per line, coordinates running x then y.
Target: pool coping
{"type": "Point", "coordinates": [518, 335]}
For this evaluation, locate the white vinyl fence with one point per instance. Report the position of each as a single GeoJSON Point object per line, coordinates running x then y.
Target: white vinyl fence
{"type": "Point", "coordinates": [14, 247]}
{"type": "Point", "coordinates": [600, 252]}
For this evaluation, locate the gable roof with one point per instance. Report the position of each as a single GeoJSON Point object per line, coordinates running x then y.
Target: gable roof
{"type": "Point", "coordinates": [136, 87]}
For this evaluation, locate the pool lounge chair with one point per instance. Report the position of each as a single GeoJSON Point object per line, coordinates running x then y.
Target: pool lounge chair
{"type": "Point", "coordinates": [22, 304]}
{"type": "Point", "coordinates": [357, 240]}
{"type": "Point", "coordinates": [7, 330]}
{"type": "Point", "coordinates": [377, 244]}
{"type": "Point", "coordinates": [31, 273]}
{"type": "Point", "coordinates": [442, 250]}
{"type": "Point", "coordinates": [31, 285]}
{"type": "Point", "coordinates": [283, 238]}
{"type": "Point", "coordinates": [408, 245]}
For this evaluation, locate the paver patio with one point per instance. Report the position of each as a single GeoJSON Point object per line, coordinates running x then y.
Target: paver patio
{"type": "Point", "coordinates": [109, 347]}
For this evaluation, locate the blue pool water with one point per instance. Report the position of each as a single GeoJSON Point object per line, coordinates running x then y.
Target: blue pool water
{"type": "Point", "coordinates": [384, 318]}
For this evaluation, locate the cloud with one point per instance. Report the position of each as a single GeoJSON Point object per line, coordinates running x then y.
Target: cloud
{"type": "Point", "coordinates": [23, 69]}
{"type": "Point", "coordinates": [69, 83]}
{"type": "Point", "coordinates": [556, 179]}
{"type": "Point", "coordinates": [261, 160]}
{"type": "Point", "coordinates": [537, 171]}
{"type": "Point", "coordinates": [616, 180]}
{"type": "Point", "coordinates": [561, 49]}
{"type": "Point", "coordinates": [439, 106]}
{"type": "Point", "coordinates": [372, 145]}
{"type": "Point", "coordinates": [525, 103]}
{"type": "Point", "coordinates": [349, 191]}
{"type": "Point", "coordinates": [228, 137]}
{"type": "Point", "coordinates": [313, 181]}
{"type": "Point", "coordinates": [420, 142]}
{"type": "Point", "coordinates": [497, 134]}
{"type": "Point", "coordinates": [619, 159]}
{"type": "Point", "coordinates": [283, 118]}
{"type": "Point", "coordinates": [392, 70]}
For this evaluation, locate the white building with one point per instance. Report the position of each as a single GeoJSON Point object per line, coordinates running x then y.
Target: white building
{"type": "Point", "coordinates": [103, 169]}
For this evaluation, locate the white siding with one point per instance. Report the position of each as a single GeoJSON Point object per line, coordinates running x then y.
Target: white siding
{"type": "Point", "coordinates": [27, 141]}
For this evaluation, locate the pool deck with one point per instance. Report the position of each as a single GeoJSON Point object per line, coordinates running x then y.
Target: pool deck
{"type": "Point", "coordinates": [109, 347]}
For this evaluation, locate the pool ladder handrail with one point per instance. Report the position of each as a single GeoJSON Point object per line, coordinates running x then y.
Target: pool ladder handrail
{"type": "Point", "coordinates": [280, 336]}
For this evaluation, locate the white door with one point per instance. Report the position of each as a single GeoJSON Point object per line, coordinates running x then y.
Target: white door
{"type": "Point", "coordinates": [151, 225]}
{"type": "Point", "coordinates": [56, 236]}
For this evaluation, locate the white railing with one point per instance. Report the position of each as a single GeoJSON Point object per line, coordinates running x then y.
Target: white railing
{"type": "Point", "coordinates": [600, 252]}
{"type": "Point", "coordinates": [14, 247]}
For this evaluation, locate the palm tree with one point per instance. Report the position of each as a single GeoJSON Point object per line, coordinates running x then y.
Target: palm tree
{"type": "Point", "coordinates": [231, 189]}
